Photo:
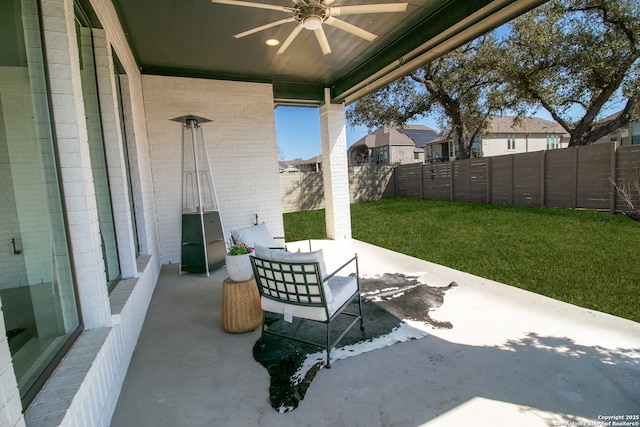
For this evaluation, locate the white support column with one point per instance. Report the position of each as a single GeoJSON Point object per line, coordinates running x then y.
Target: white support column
{"type": "Point", "coordinates": [335, 172]}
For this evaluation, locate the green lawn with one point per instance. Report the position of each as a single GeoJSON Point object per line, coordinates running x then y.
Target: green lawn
{"type": "Point", "coordinates": [586, 258]}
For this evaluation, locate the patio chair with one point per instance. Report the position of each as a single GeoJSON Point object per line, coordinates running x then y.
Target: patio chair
{"type": "Point", "coordinates": [294, 284]}
{"type": "Point", "coordinates": [259, 235]}
{"type": "Point", "coordinates": [256, 235]}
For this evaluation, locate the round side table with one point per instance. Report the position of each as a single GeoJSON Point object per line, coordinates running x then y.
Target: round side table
{"type": "Point", "coordinates": [241, 311]}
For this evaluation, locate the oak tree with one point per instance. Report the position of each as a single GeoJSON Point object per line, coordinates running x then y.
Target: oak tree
{"type": "Point", "coordinates": [459, 88]}
{"type": "Point", "coordinates": [574, 58]}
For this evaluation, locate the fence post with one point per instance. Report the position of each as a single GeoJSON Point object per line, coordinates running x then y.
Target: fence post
{"type": "Point", "coordinates": [468, 179]}
{"type": "Point", "coordinates": [543, 173]}
{"type": "Point", "coordinates": [489, 180]}
{"type": "Point", "coordinates": [613, 179]}
{"type": "Point", "coordinates": [395, 179]}
{"type": "Point", "coordinates": [575, 178]}
{"type": "Point", "coordinates": [421, 180]}
{"type": "Point", "coordinates": [451, 180]}
{"type": "Point", "coordinates": [513, 184]}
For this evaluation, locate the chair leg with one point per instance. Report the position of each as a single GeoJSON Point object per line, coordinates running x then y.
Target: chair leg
{"type": "Point", "coordinates": [328, 345]}
{"type": "Point", "coordinates": [262, 331]}
{"type": "Point", "coordinates": [360, 308]}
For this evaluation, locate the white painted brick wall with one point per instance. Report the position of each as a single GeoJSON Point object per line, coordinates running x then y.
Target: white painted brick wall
{"type": "Point", "coordinates": [75, 163]}
{"type": "Point", "coordinates": [242, 148]}
{"type": "Point", "coordinates": [15, 87]}
{"type": "Point", "coordinates": [10, 405]}
{"type": "Point", "coordinates": [335, 171]}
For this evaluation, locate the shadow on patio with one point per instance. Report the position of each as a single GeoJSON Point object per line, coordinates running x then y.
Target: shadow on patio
{"type": "Point", "coordinates": [511, 358]}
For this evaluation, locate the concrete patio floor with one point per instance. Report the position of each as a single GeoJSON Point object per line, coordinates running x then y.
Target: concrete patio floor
{"type": "Point", "coordinates": [512, 358]}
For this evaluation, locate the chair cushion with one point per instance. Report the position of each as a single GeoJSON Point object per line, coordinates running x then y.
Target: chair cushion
{"type": "Point", "coordinates": [254, 235]}
{"type": "Point", "coordinates": [342, 289]}
{"type": "Point", "coordinates": [284, 256]}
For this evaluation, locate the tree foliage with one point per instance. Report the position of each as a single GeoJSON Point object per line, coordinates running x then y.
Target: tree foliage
{"type": "Point", "coordinates": [460, 88]}
{"type": "Point", "coordinates": [572, 57]}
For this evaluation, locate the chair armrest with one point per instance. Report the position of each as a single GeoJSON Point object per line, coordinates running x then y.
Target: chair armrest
{"type": "Point", "coordinates": [284, 244]}
{"type": "Point", "coordinates": [354, 259]}
{"type": "Point", "coordinates": [293, 238]}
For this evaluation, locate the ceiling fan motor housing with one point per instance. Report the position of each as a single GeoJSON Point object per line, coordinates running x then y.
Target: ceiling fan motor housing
{"type": "Point", "coordinates": [311, 16]}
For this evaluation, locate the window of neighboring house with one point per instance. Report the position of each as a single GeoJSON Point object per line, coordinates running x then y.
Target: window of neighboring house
{"type": "Point", "coordinates": [97, 151]}
{"type": "Point", "coordinates": [553, 142]}
{"type": "Point", "coordinates": [382, 155]}
{"type": "Point", "coordinates": [511, 142]}
{"type": "Point", "coordinates": [436, 152]}
{"type": "Point", "coordinates": [452, 150]}
{"type": "Point", "coordinates": [635, 133]}
{"type": "Point", "coordinates": [37, 288]}
{"type": "Point", "coordinates": [416, 156]}
{"type": "Point", "coordinates": [624, 136]}
{"type": "Point", "coordinates": [476, 147]}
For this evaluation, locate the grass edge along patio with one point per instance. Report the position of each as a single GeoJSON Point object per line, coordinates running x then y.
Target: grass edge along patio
{"type": "Point", "coordinates": [586, 258]}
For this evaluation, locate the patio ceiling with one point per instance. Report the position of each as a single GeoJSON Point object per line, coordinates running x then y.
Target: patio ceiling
{"type": "Point", "coordinates": [194, 38]}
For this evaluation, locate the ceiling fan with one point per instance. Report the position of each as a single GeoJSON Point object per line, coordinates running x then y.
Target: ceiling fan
{"type": "Point", "coordinates": [311, 14]}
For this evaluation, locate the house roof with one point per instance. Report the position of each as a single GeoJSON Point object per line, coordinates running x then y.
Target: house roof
{"type": "Point", "coordinates": [526, 125]}
{"type": "Point", "coordinates": [410, 135]}
{"type": "Point", "coordinates": [420, 136]}
{"type": "Point", "coordinates": [197, 38]}
{"type": "Point", "coordinates": [312, 160]}
{"type": "Point", "coordinates": [505, 125]}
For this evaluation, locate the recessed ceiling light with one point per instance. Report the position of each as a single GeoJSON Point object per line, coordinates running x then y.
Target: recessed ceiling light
{"type": "Point", "coordinates": [272, 42]}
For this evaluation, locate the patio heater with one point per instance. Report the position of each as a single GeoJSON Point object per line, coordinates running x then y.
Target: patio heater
{"type": "Point", "coordinates": [202, 236]}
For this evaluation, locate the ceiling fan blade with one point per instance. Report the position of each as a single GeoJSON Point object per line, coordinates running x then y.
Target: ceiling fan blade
{"type": "Point", "coordinates": [322, 40]}
{"type": "Point", "coordinates": [289, 39]}
{"type": "Point", "coordinates": [264, 27]}
{"type": "Point", "coordinates": [253, 4]}
{"type": "Point", "coordinates": [350, 28]}
{"type": "Point", "coordinates": [368, 8]}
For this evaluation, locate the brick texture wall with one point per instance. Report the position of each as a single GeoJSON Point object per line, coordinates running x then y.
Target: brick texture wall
{"type": "Point", "coordinates": [241, 142]}
{"type": "Point", "coordinates": [304, 191]}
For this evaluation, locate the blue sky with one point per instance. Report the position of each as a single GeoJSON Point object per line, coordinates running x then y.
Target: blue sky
{"type": "Point", "coordinates": [298, 132]}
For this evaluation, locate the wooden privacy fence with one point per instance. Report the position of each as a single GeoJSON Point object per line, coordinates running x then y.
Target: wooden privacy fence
{"type": "Point", "coordinates": [576, 177]}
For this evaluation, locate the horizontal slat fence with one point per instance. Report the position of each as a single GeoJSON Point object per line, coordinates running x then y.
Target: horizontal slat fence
{"type": "Point", "coordinates": [576, 177]}
{"type": "Point", "coordinates": [627, 165]}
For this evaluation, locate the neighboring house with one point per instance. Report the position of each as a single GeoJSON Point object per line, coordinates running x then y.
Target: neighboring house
{"type": "Point", "coordinates": [289, 169]}
{"type": "Point", "coordinates": [392, 145]}
{"type": "Point", "coordinates": [313, 164]}
{"type": "Point", "coordinates": [285, 167]}
{"type": "Point", "coordinates": [626, 135]}
{"type": "Point", "coordinates": [505, 135]}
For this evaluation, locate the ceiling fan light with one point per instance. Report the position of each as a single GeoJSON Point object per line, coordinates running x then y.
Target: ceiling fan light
{"type": "Point", "coordinates": [272, 42]}
{"type": "Point", "coordinates": [312, 22]}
